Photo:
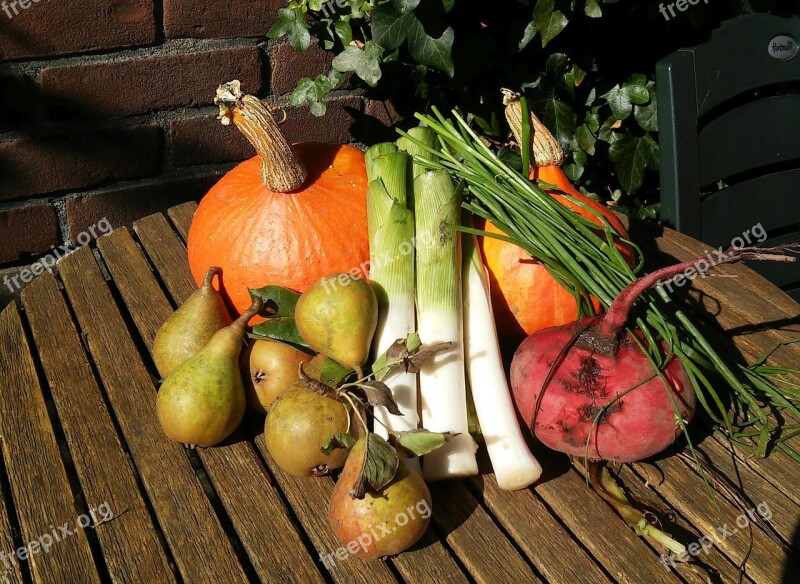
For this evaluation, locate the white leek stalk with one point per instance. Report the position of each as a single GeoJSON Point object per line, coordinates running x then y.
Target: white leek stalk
{"type": "Point", "coordinates": [391, 233]}
{"type": "Point", "coordinates": [442, 380]}
{"type": "Point", "coordinates": [514, 465]}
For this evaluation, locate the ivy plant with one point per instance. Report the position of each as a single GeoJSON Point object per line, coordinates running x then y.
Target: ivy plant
{"type": "Point", "coordinates": [586, 67]}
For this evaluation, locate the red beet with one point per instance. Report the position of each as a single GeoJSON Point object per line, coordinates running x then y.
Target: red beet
{"type": "Point", "coordinates": [573, 371]}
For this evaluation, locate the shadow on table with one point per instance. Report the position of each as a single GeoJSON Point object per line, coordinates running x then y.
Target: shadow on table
{"type": "Point", "coordinates": [791, 569]}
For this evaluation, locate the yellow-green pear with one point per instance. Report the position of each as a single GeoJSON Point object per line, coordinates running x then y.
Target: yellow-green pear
{"type": "Point", "coordinates": [202, 402]}
{"type": "Point", "coordinates": [191, 327]}
{"type": "Point", "coordinates": [269, 368]}
{"type": "Point", "coordinates": [337, 316]}
{"type": "Point", "coordinates": [383, 523]}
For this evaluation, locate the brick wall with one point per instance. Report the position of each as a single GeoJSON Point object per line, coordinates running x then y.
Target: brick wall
{"type": "Point", "coordinates": [106, 110]}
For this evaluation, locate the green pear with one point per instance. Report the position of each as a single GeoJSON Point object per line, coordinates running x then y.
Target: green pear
{"type": "Point", "coordinates": [202, 402]}
{"type": "Point", "coordinates": [190, 327]}
{"type": "Point", "coordinates": [337, 316]}
{"type": "Point", "coordinates": [269, 368]}
{"type": "Point", "coordinates": [297, 426]}
{"type": "Point", "coordinates": [383, 523]}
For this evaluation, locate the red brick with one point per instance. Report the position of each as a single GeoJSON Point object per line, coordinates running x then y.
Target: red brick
{"type": "Point", "coordinates": [38, 166]}
{"type": "Point", "coordinates": [289, 66]}
{"type": "Point", "coordinates": [124, 205]}
{"type": "Point", "coordinates": [119, 88]}
{"type": "Point", "coordinates": [205, 19]}
{"type": "Point", "coordinates": [334, 127]}
{"type": "Point", "coordinates": [73, 26]}
{"type": "Point", "coordinates": [383, 111]}
{"type": "Point", "coordinates": [27, 231]}
{"type": "Point", "coordinates": [204, 139]}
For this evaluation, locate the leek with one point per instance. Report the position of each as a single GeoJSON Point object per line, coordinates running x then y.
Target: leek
{"type": "Point", "coordinates": [514, 465]}
{"type": "Point", "coordinates": [442, 379]}
{"type": "Point", "coordinates": [391, 237]}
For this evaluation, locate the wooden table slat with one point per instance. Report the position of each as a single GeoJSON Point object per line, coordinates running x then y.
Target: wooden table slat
{"type": "Point", "coordinates": [470, 531]}
{"type": "Point", "coordinates": [196, 538]}
{"type": "Point", "coordinates": [130, 542]}
{"type": "Point", "coordinates": [167, 254]}
{"type": "Point", "coordinates": [686, 492]}
{"type": "Point", "coordinates": [607, 536]}
{"type": "Point", "coordinates": [697, 571]}
{"type": "Point", "coordinates": [182, 217]}
{"type": "Point", "coordinates": [551, 548]}
{"type": "Point", "coordinates": [40, 488]}
{"type": "Point", "coordinates": [235, 469]}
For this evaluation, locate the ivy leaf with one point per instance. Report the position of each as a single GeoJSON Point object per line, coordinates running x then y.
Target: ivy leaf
{"type": "Point", "coordinates": [637, 94]}
{"type": "Point", "coordinates": [366, 62]}
{"type": "Point", "coordinates": [592, 9]}
{"type": "Point", "coordinates": [585, 139]}
{"type": "Point", "coordinates": [335, 441]}
{"type": "Point", "coordinates": [619, 101]}
{"type": "Point", "coordinates": [632, 156]}
{"type": "Point", "coordinates": [405, 6]}
{"type": "Point", "coordinates": [560, 119]}
{"type": "Point", "coordinates": [647, 116]}
{"type": "Point", "coordinates": [292, 24]}
{"type": "Point", "coordinates": [549, 22]}
{"type": "Point", "coordinates": [429, 51]}
{"type": "Point", "coordinates": [418, 442]}
{"type": "Point", "coordinates": [378, 394]}
{"type": "Point", "coordinates": [379, 466]}
{"type": "Point", "coordinates": [278, 301]}
{"type": "Point", "coordinates": [390, 27]}
{"type": "Point", "coordinates": [313, 91]}
{"type": "Point", "coordinates": [343, 31]}
{"type": "Point", "coordinates": [528, 35]}
{"type": "Point", "coordinates": [448, 5]}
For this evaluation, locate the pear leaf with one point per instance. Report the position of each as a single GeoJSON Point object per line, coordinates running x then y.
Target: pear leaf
{"type": "Point", "coordinates": [335, 441]}
{"type": "Point", "coordinates": [413, 363]}
{"type": "Point", "coordinates": [278, 301]}
{"type": "Point", "coordinates": [377, 393]}
{"type": "Point", "coordinates": [418, 442]}
{"type": "Point", "coordinates": [315, 385]}
{"type": "Point", "coordinates": [283, 329]}
{"type": "Point", "coordinates": [379, 466]}
{"type": "Point", "coordinates": [333, 373]}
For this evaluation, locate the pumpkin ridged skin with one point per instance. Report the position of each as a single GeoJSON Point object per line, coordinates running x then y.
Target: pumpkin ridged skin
{"type": "Point", "coordinates": [259, 237]}
{"type": "Point", "coordinates": [525, 297]}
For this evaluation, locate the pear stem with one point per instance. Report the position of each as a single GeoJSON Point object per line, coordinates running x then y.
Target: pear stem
{"type": "Point", "coordinates": [212, 271]}
{"type": "Point", "coordinates": [241, 322]}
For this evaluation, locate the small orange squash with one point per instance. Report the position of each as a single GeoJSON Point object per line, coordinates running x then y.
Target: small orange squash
{"type": "Point", "coordinates": [525, 297]}
{"type": "Point", "coordinates": [288, 216]}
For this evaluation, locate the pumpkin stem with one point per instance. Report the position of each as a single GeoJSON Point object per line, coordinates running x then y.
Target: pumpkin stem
{"type": "Point", "coordinates": [546, 149]}
{"type": "Point", "coordinates": [281, 170]}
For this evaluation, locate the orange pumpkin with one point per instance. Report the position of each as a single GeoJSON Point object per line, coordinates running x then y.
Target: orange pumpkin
{"type": "Point", "coordinates": [525, 297]}
{"type": "Point", "coordinates": [288, 216]}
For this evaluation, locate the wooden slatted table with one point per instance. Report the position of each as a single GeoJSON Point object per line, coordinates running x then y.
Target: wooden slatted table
{"type": "Point", "coordinates": [79, 432]}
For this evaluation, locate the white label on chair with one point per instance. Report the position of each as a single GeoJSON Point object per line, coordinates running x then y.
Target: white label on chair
{"type": "Point", "coordinates": [782, 47]}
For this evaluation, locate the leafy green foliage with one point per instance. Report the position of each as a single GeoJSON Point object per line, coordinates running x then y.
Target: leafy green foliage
{"type": "Point", "coordinates": [586, 67]}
